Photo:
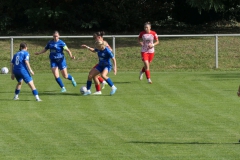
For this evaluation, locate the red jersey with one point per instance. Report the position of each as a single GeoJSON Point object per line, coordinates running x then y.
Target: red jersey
{"type": "Point", "coordinates": [147, 39]}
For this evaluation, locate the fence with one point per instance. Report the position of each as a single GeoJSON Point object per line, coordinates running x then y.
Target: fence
{"type": "Point", "coordinates": [125, 36]}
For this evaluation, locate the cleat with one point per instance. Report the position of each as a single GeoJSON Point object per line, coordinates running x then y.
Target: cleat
{"type": "Point", "coordinates": [149, 81]}
{"type": "Point", "coordinates": [63, 89]}
{"type": "Point", "coordinates": [15, 98]}
{"type": "Point", "coordinates": [140, 75]}
{"type": "Point", "coordinates": [88, 92]}
{"type": "Point", "coordinates": [113, 91]}
{"type": "Point", "coordinates": [74, 82]}
{"type": "Point", "coordinates": [103, 84]}
{"type": "Point", "coordinates": [38, 100]}
{"type": "Point", "coordinates": [97, 93]}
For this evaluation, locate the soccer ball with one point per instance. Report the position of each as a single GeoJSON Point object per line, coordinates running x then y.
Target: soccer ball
{"type": "Point", "coordinates": [83, 89]}
{"type": "Point", "coordinates": [4, 70]}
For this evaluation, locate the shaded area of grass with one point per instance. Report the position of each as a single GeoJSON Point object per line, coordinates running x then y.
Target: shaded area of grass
{"type": "Point", "coordinates": [171, 54]}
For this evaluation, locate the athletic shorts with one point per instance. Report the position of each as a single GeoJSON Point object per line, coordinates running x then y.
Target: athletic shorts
{"type": "Point", "coordinates": [147, 56]}
{"type": "Point", "coordinates": [60, 63]}
{"type": "Point", "coordinates": [95, 66]}
{"type": "Point", "coordinates": [101, 68]}
{"type": "Point", "coordinates": [23, 75]}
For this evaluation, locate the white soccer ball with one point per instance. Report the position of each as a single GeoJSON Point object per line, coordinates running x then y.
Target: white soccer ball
{"type": "Point", "coordinates": [83, 89]}
{"type": "Point", "coordinates": [4, 70]}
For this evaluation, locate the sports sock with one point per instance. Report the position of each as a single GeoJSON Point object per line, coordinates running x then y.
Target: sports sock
{"type": "Point", "coordinates": [17, 91]}
{"type": "Point", "coordinates": [98, 88]}
{"type": "Point", "coordinates": [143, 69]}
{"type": "Point", "coordinates": [89, 83]}
{"type": "Point", "coordinates": [147, 72]}
{"type": "Point", "coordinates": [69, 77]}
{"type": "Point", "coordinates": [100, 79]}
{"type": "Point", "coordinates": [59, 81]}
{"type": "Point", "coordinates": [109, 81]}
{"type": "Point", "coordinates": [35, 93]}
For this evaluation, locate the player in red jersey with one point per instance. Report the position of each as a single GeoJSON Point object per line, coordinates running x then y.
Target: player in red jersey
{"type": "Point", "coordinates": [98, 36]}
{"type": "Point", "coordinates": [147, 39]}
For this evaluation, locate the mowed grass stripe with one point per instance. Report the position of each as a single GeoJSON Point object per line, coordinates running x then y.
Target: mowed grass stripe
{"type": "Point", "coordinates": [182, 115]}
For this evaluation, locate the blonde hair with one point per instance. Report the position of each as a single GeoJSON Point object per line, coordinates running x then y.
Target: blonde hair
{"type": "Point", "coordinates": [100, 45]}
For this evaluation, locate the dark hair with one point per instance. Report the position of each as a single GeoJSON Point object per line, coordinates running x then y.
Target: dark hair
{"type": "Point", "coordinates": [100, 33]}
{"type": "Point", "coordinates": [23, 45]}
{"type": "Point", "coordinates": [147, 23]}
{"type": "Point", "coordinates": [55, 32]}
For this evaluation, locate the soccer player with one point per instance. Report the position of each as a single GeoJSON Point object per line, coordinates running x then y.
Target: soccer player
{"type": "Point", "coordinates": [146, 40]}
{"type": "Point", "coordinates": [20, 68]}
{"type": "Point", "coordinates": [104, 66]}
{"type": "Point", "coordinates": [57, 59]}
{"type": "Point", "coordinates": [98, 36]}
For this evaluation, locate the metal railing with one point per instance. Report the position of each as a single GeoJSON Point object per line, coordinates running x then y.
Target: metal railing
{"type": "Point", "coordinates": [126, 36]}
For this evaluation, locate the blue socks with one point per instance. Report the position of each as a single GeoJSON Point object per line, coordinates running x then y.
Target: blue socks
{"type": "Point", "coordinates": [17, 91]}
{"type": "Point", "coordinates": [59, 81]}
{"type": "Point", "coordinates": [35, 92]}
{"type": "Point", "coordinates": [109, 81]}
{"type": "Point", "coordinates": [89, 83]}
{"type": "Point", "coordinates": [69, 77]}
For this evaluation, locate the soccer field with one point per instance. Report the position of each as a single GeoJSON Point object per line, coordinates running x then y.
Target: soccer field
{"type": "Point", "coordinates": [182, 115]}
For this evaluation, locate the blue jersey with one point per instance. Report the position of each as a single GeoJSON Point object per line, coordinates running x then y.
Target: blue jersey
{"type": "Point", "coordinates": [105, 57]}
{"type": "Point", "coordinates": [56, 49]}
{"type": "Point", "coordinates": [19, 61]}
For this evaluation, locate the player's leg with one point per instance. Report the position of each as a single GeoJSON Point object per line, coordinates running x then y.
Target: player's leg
{"type": "Point", "coordinates": [97, 85]}
{"type": "Point", "coordinates": [94, 72]}
{"type": "Point", "coordinates": [147, 67]}
{"type": "Point", "coordinates": [18, 89]}
{"type": "Point", "coordinates": [144, 57]}
{"type": "Point", "coordinates": [58, 79]}
{"type": "Point", "coordinates": [63, 67]}
{"type": "Point", "coordinates": [100, 79]}
{"type": "Point", "coordinates": [54, 68]}
{"type": "Point", "coordinates": [34, 90]}
{"type": "Point", "coordinates": [109, 81]}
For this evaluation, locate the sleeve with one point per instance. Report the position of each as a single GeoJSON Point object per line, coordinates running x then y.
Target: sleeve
{"type": "Point", "coordinates": [111, 55]}
{"type": "Point", "coordinates": [155, 36]}
{"type": "Point", "coordinates": [13, 59]}
{"type": "Point", "coordinates": [26, 56]}
{"type": "Point", "coordinates": [140, 35]}
{"type": "Point", "coordinates": [47, 46]}
{"type": "Point", "coordinates": [64, 45]}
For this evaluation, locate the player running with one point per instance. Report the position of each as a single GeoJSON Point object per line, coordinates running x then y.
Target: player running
{"type": "Point", "coordinates": [20, 68]}
{"type": "Point", "coordinates": [57, 59]}
{"type": "Point", "coordinates": [146, 39]}
{"type": "Point", "coordinates": [104, 66]}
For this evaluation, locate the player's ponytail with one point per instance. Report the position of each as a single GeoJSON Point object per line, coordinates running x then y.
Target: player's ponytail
{"type": "Point", "coordinates": [22, 46]}
{"type": "Point", "coordinates": [97, 34]}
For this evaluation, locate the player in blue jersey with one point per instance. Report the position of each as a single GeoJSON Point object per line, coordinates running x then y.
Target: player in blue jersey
{"type": "Point", "coordinates": [20, 68]}
{"type": "Point", "coordinates": [104, 66]}
{"type": "Point", "coordinates": [57, 59]}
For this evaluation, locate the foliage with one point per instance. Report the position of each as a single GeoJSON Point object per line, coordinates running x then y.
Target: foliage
{"type": "Point", "coordinates": [112, 15]}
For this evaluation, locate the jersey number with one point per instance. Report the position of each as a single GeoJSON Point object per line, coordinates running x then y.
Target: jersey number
{"type": "Point", "coordinates": [17, 60]}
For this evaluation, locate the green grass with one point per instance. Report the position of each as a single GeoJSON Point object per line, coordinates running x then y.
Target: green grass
{"type": "Point", "coordinates": [182, 115]}
{"type": "Point", "coordinates": [171, 54]}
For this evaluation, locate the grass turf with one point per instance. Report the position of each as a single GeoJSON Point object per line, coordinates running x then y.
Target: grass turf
{"type": "Point", "coordinates": [182, 115]}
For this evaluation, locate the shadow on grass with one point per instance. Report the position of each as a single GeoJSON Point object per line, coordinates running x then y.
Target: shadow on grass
{"type": "Point", "coordinates": [223, 75]}
{"type": "Point", "coordinates": [57, 93]}
{"type": "Point", "coordinates": [142, 142]}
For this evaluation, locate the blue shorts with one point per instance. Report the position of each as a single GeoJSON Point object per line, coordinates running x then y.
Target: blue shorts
{"type": "Point", "coordinates": [60, 63]}
{"type": "Point", "coordinates": [101, 68]}
{"type": "Point", "coordinates": [23, 75]}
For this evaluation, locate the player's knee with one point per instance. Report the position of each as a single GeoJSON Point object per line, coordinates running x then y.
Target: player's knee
{"type": "Point", "coordinates": [90, 76]}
